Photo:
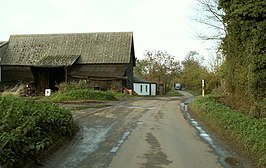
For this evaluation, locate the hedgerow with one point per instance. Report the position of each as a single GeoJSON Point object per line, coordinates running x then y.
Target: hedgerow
{"type": "Point", "coordinates": [27, 128]}
{"type": "Point", "coordinates": [244, 49]}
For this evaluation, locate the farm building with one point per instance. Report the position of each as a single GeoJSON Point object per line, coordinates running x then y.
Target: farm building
{"type": "Point", "coordinates": [106, 59]}
{"type": "Point", "coordinates": [143, 87]}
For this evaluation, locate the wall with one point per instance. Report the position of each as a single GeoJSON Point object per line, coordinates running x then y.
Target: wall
{"type": "Point", "coordinates": [153, 89]}
{"type": "Point", "coordinates": [16, 74]}
{"type": "Point", "coordinates": [145, 89]}
{"type": "Point", "coordinates": [129, 70]}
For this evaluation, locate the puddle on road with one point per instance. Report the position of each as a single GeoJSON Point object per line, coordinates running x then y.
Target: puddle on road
{"type": "Point", "coordinates": [223, 155]}
{"type": "Point", "coordinates": [91, 137]}
{"type": "Point", "coordinates": [133, 107]}
{"type": "Point", "coordinates": [120, 142]}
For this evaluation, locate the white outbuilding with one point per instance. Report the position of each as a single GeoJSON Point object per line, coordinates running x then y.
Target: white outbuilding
{"type": "Point", "coordinates": [143, 87]}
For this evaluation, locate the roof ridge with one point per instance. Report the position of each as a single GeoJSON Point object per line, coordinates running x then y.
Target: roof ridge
{"type": "Point", "coordinates": [77, 33]}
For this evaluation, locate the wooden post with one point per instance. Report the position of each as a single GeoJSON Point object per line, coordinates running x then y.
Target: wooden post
{"type": "Point", "coordinates": [202, 82]}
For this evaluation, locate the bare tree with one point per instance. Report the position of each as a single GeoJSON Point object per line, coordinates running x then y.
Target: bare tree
{"type": "Point", "coordinates": [159, 66]}
{"type": "Point", "coordinates": [214, 61]}
{"type": "Point", "coordinates": [210, 15]}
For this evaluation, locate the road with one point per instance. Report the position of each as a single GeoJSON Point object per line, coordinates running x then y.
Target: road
{"type": "Point", "coordinates": [142, 132]}
{"type": "Point", "coordinates": [163, 138]}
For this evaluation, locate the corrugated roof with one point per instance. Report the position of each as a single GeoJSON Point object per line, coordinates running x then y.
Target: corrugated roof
{"type": "Point", "coordinates": [93, 48]}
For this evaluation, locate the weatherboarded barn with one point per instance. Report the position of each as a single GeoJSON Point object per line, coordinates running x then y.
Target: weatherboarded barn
{"type": "Point", "coordinates": [106, 59]}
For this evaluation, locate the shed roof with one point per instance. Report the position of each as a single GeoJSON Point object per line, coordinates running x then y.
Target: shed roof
{"type": "Point", "coordinates": [137, 79]}
{"type": "Point", "coordinates": [64, 49]}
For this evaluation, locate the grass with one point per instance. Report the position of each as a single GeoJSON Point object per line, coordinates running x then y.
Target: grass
{"type": "Point", "coordinates": [121, 95]}
{"type": "Point", "coordinates": [247, 133]}
{"type": "Point", "coordinates": [80, 94]}
{"type": "Point", "coordinates": [82, 91]}
{"type": "Point", "coordinates": [174, 93]}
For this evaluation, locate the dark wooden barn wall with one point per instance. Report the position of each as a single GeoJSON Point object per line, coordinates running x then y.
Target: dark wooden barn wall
{"type": "Point", "coordinates": [16, 74]}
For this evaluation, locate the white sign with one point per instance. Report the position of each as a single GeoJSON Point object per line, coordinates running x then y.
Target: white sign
{"type": "Point", "coordinates": [202, 82]}
{"type": "Point", "coordinates": [47, 92]}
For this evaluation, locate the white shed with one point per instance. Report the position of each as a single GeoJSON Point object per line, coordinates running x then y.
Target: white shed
{"type": "Point", "coordinates": [143, 87]}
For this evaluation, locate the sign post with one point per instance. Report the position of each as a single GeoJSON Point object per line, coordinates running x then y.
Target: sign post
{"type": "Point", "coordinates": [203, 83]}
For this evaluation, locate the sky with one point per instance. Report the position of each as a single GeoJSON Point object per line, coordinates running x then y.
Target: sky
{"type": "Point", "coordinates": [166, 25]}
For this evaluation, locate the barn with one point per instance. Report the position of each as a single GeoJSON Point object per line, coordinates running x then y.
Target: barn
{"type": "Point", "coordinates": [106, 59]}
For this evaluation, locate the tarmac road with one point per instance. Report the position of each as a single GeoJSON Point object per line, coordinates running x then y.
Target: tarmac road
{"type": "Point", "coordinates": [146, 132]}
{"type": "Point", "coordinates": [163, 138]}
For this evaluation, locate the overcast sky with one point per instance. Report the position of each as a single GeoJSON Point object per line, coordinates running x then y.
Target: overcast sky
{"type": "Point", "coordinates": [156, 24]}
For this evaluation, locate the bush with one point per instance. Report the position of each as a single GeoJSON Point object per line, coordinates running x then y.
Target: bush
{"type": "Point", "coordinates": [27, 128]}
{"type": "Point", "coordinates": [82, 84]}
{"type": "Point", "coordinates": [81, 94]}
{"type": "Point", "coordinates": [79, 91]}
{"type": "Point", "coordinates": [248, 132]}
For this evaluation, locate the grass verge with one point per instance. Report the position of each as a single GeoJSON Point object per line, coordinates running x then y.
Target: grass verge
{"type": "Point", "coordinates": [246, 133]}
{"type": "Point", "coordinates": [174, 93]}
{"type": "Point", "coordinates": [80, 94]}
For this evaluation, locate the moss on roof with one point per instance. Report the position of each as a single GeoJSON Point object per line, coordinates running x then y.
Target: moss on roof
{"type": "Point", "coordinates": [56, 49]}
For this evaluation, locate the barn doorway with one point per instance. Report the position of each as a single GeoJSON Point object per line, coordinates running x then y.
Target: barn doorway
{"type": "Point", "coordinates": [48, 78]}
{"type": "Point", "coordinates": [56, 76]}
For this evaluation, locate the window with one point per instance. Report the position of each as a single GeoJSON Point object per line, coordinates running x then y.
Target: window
{"type": "Point", "coordinates": [146, 88]}
{"type": "Point", "coordinates": [141, 89]}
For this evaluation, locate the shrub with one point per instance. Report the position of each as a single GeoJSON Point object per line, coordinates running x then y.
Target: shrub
{"type": "Point", "coordinates": [27, 128]}
{"type": "Point", "coordinates": [81, 94]}
{"type": "Point", "coordinates": [82, 84]}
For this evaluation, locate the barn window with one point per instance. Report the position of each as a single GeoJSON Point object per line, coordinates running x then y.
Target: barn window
{"type": "Point", "coordinates": [146, 88]}
{"type": "Point", "coordinates": [141, 89]}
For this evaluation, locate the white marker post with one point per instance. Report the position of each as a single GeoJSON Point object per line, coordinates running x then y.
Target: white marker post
{"type": "Point", "coordinates": [202, 82]}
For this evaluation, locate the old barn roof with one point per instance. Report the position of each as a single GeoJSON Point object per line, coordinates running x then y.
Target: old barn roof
{"type": "Point", "coordinates": [2, 42]}
{"type": "Point", "coordinates": [49, 50]}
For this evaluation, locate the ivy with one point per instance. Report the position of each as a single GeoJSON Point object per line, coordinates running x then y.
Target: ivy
{"type": "Point", "coordinates": [245, 50]}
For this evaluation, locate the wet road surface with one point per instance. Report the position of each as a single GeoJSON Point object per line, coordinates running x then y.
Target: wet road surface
{"type": "Point", "coordinates": [147, 132]}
